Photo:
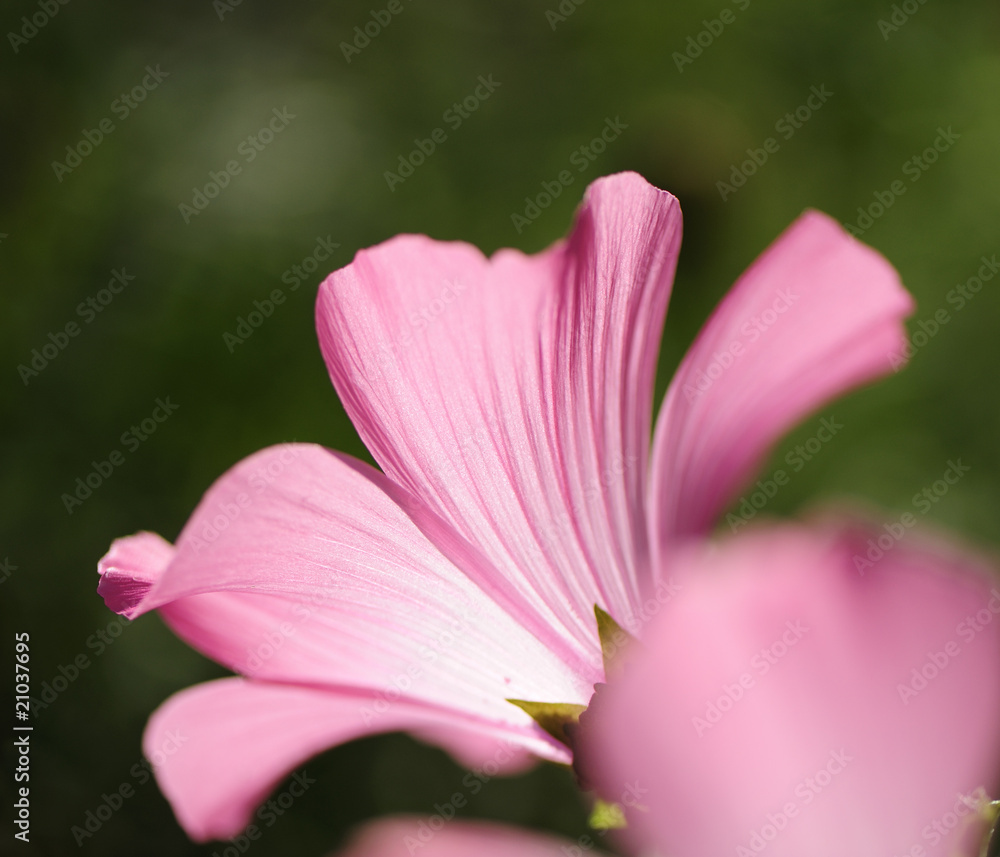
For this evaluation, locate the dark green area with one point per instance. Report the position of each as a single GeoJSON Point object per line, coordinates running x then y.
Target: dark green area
{"type": "Point", "coordinates": [323, 177]}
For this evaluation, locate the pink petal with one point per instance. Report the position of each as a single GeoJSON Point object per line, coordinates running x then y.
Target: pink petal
{"type": "Point", "coordinates": [815, 315]}
{"type": "Point", "coordinates": [513, 394]}
{"type": "Point", "coordinates": [301, 566]}
{"type": "Point", "coordinates": [814, 746]}
{"type": "Point", "coordinates": [130, 568]}
{"type": "Point", "coordinates": [220, 749]}
{"type": "Point", "coordinates": [429, 837]}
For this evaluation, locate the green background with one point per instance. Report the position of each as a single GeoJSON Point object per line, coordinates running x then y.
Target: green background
{"type": "Point", "coordinates": [322, 177]}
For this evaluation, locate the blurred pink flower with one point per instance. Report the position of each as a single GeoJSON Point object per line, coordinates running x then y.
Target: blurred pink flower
{"type": "Point", "coordinates": [508, 401]}
{"type": "Point", "coordinates": [785, 704]}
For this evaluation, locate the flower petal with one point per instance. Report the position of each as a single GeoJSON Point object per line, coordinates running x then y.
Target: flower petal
{"type": "Point", "coordinates": [403, 837]}
{"type": "Point", "coordinates": [815, 315]}
{"type": "Point", "coordinates": [219, 749]}
{"type": "Point", "coordinates": [787, 701]}
{"type": "Point", "coordinates": [513, 394]}
{"type": "Point", "coordinates": [130, 568]}
{"type": "Point", "coordinates": [301, 566]}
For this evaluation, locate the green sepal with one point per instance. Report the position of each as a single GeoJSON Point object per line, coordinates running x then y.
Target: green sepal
{"type": "Point", "coordinates": [607, 816]}
{"type": "Point", "coordinates": [990, 813]}
{"type": "Point", "coordinates": [614, 640]}
{"type": "Point", "coordinates": [552, 716]}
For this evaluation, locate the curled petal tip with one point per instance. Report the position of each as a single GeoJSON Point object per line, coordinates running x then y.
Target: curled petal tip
{"type": "Point", "coordinates": [130, 568]}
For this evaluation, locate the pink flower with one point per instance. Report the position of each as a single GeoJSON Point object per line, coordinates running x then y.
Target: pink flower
{"type": "Point", "coordinates": [784, 704]}
{"type": "Point", "coordinates": [508, 402]}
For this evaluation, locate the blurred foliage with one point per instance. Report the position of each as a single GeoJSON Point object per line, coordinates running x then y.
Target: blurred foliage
{"type": "Point", "coordinates": [323, 177]}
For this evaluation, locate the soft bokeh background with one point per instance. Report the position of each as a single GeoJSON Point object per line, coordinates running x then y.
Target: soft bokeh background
{"type": "Point", "coordinates": [322, 177]}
